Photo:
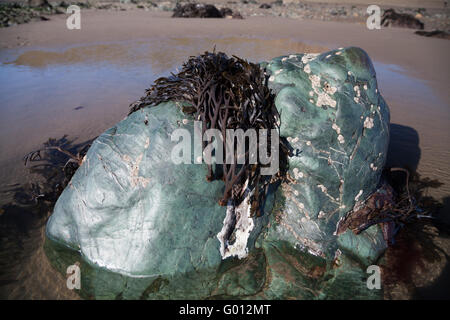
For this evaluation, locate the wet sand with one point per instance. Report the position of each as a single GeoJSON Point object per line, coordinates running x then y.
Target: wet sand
{"type": "Point", "coordinates": [107, 64]}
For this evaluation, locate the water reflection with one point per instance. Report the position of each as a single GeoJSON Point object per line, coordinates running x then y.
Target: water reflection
{"type": "Point", "coordinates": [161, 54]}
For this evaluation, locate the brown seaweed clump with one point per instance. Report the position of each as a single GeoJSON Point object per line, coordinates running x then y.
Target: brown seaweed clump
{"type": "Point", "coordinates": [59, 153]}
{"type": "Point", "coordinates": [394, 205]}
{"type": "Point", "coordinates": [224, 93]}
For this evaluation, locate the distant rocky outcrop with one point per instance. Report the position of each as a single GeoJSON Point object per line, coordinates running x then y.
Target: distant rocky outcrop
{"type": "Point", "coordinates": [19, 12]}
{"type": "Point", "coordinates": [199, 10]}
{"type": "Point", "coordinates": [391, 18]}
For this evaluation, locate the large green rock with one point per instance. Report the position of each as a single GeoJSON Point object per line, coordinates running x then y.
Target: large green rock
{"type": "Point", "coordinates": [144, 227]}
{"type": "Point", "coordinates": [338, 125]}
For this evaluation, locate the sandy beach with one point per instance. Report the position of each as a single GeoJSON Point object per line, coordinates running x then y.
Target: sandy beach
{"type": "Point", "coordinates": [48, 72]}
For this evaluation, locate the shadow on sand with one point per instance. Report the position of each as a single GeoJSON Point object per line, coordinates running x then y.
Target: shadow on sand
{"type": "Point", "coordinates": [417, 265]}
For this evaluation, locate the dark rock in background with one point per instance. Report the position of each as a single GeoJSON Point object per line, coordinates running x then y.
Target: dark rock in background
{"type": "Point", "coordinates": [393, 19]}
{"type": "Point", "coordinates": [34, 10]}
{"type": "Point", "coordinates": [226, 12]}
{"type": "Point", "coordinates": [196, 10]}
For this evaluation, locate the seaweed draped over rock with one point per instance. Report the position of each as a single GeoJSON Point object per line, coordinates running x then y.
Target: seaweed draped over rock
{"type": "Point", "coordinates": [224, 93]}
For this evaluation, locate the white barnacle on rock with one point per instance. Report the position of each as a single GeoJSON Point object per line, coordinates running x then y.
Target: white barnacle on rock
{"type": "Point", "coordinates": [357, 91]}
{"type": "Point", "coordinates": [297, 173]}
{"type": "Point", "coordinates": [358, 195]}
{"type": "Point", "coordinates": [315, 81]}
{"type": "Point", "coordinates": [336, 128]}
{"type": "Point", "coordinates": [308, 143]}
{"type": "Point", "coordinates": [373, 167]}
{"type": "Point", "coordinates": [309, 57]}
{"type": "Point", "coordinates": [185, 121]}
{"type": "Point", "coordinates": [311, 93]}
{"type": "Point", "coordinates": [341, 138]}
{"type": "Point", "coordinates": [356, 99]}
{"type": "Point", "coordinates": [323, 98]}
{"type": "Point", "coordinates": [338, 53]}
{"type": "Point", "coordinates": [307, 69]}
{"type": "Point", "coordinates": [368, 123]}
{"type": "Point", "coordinates": [322, 188]}
{"type": "Point", "coordinates": [365, 87]}
{"type": "Point", "coordinates": [329, 89]}
{"type": "Point", "coordinates": [278, 71]}
{"type": "Point", "coordinates": [271, 78]}
{"type": "Point", "coordinates": [284, 59]}
{"type": "Point", "coordinates": [321, 215]}
{"type": "Point", "coordinates": [337, 256]}
{"type": "Point", "coordinates": [349, 73]}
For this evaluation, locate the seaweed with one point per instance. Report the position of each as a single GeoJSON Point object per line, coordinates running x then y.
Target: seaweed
{"type": "Point", "coordinates": [225, 93]}
{"type": "Point", "coordinates": [58, 151]}
{"type": "Point", "coordinates": [399, 201]}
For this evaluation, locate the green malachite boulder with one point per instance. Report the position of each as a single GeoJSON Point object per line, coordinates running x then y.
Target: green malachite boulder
{"type": "Point", "coordinates": [143, 227]}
